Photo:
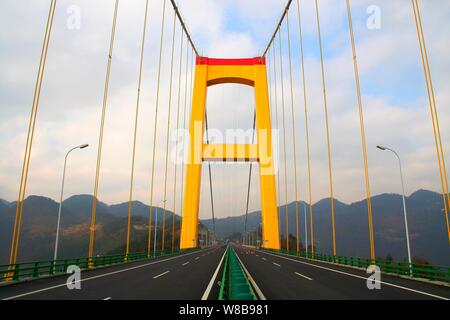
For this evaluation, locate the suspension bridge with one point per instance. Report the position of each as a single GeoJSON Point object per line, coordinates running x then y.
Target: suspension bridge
{"type": "Point", "coordinates": [263, 264]}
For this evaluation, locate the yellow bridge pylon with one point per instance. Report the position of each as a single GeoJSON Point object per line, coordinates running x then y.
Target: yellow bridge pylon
{"type": "Point", "coordinates": [251, 72]}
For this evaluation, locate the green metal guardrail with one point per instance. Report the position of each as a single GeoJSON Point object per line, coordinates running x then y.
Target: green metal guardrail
{"type": "Point", "coordinates": [234, 285]}
{"type": "Point", "coordinates": [424, 271]}
{"type": "Point", "coordinates": [30, 270]}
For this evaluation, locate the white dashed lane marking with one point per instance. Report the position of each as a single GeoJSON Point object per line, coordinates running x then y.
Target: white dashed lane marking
{"type": "Point", "coordinates": [303, 276]}
{"type": "Point", "coordinates": [160, 275]}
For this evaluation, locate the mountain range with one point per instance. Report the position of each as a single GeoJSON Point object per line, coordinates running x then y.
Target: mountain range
{"type": "Point", "coordinates": [426, 219]}
{"type": "Point", "coordinates": [428, 232]}
{"type": "Point", "coordinates": [39, 227]}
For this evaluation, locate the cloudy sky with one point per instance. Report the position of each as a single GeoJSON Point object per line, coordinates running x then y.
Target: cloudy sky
{"type": "Point", "coordinates": [394, 95]}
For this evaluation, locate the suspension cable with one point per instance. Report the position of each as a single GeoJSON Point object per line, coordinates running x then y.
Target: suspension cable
{"type": "Point", "coordinates": [136, 120]}
{"type": "Point", "coordinates": [176, 145]}
{"type": "Point", "coordinates": [30, 136]}
{"type": "Point", "coordinates": [327, 127]}
{"type": "Point", "coordinates": [363, 133]}
{"type": "Point", "coordinates": [272, 116]}
{"type": "Point", "coordinates": [156, 127]}
{"type": "Point", "coordinates": [210, 175]}
{"type": "Point", "coordinates": [249, 176]}
{"type": "Point", "coordinates": [293, 133]}
{"type": "Point", "coordinates": [183, 25]}
{"type": "Point", "coordinates": [189, 54]}
{"type": "Point", "coordinates": [278, 27]}
{"type": "Point", "coordinates": [102, 127]}
{"type": "Point", "coordinates": [284, 140]}
{"type": "Point", "coordinates": [433, 111]}
{"type": "Point", "coordinates": [308, 149]}
{"type": "Point", "coordinates": [163, 241]}
{"type": "Point", "coordinates": [278, 126]}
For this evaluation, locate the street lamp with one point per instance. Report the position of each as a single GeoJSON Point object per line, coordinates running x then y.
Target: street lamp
{"type": "Point", "coordinates": [55, 255]}
{"type": "Point", "coordinates": [156, 230]}
{"type": "Point", "coordinates": [404, 204]}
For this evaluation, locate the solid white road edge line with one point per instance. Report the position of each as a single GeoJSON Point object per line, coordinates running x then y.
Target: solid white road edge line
{"type": "Point", "coordinates": [211, 282]}
{"type": "Point", "coordinates": [97, 277]}
{"type": "Point", "coordinates": [359, 277]}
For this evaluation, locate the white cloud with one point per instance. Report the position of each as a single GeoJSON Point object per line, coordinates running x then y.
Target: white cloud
{"type": "Point", "coordinates": [395, 104]}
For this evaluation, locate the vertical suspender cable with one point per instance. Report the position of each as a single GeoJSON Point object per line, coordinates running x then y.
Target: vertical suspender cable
{"type": "Point", "coordinates": [249, 176]}
{"type": "Point", "coordinates": [278, 126]}
{"type": "Point", "coordinates": [269, 78]}
{"type": "Point", "coordinates": [136, 120]}
{"type": "Point", "coordinates": [31, 126]}
{"type": "Point", "coordinates": [308, 149]}
{"type": "Point", "coordinates": [363, 133]}
{"type": "Point", "coordinates": [210, 175]}
{"type": "Point", "coordinates": [100, 139]}
{"type": "Point", "coordinates": [284, 140]}
{"type": "Point", "coordinates": [293, 134]}
{"type": "Point", "coordinates": [184, 127]}
{"type": "Point", "coordinates": [156, 126]}
{"type": "Point", "coordinates": [434, 113]}
{"type": "Point", "coordinates": [327, 127]}
{"type": "Point", "coordinates": [163, 241]}
{"type": "Point", "coordinates": [184, 120]}
{"type": "Point", "coordinates": [176, 146]}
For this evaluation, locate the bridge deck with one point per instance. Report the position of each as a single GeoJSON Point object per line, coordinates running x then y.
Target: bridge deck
{"type": "Point", "coordinates": [194, 275]}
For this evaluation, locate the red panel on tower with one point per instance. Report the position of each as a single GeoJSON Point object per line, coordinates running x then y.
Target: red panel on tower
{"type": "Point", "coordinates": [231, 62]}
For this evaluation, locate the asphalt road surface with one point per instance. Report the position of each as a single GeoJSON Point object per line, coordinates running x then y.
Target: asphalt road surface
{"type": "Point", "coordinates": [194, 276]}
{"type": "Point", "coordinates": [182, 277]}
{"type": "Point", "coordinates": [282, 277]}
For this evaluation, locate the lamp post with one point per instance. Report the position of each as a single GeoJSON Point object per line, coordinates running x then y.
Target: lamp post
{"type": "Point", "coordinates": [55, 255]}
{"type": "Point", "coordinates": [404, 204]}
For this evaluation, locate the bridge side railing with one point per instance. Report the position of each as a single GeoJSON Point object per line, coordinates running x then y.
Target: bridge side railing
{"type": "Point", "coordinates": [37, 269]}
{"type": "Point", "coordinates": [416, 270]}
